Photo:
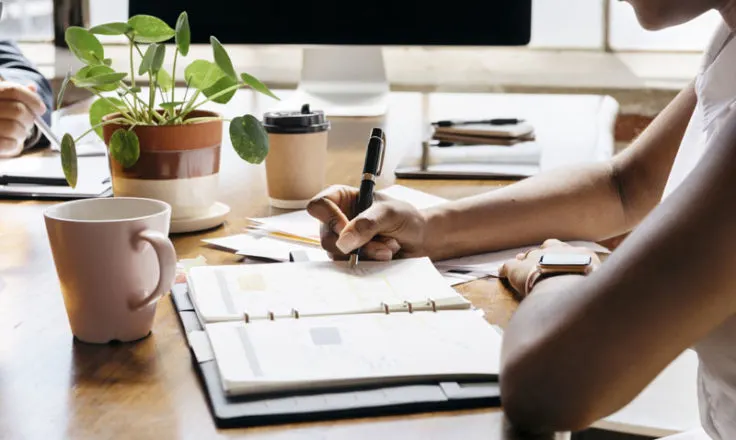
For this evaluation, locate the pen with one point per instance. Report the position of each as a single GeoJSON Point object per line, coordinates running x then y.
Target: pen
{"type": "Point", "coordinates": [496, 121]}
{"type": "Point", "coordinates": [374, 155]}
{"type": "Point", "coordinates": [32, 180]}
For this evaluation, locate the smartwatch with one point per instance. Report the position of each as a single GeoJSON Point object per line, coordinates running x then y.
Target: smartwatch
{"type": "Point", "coordinates": [559, 264]}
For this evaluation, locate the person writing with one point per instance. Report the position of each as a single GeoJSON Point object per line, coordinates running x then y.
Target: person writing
{"type": "Point", "coordinates": [24, 93]}
{"type": "Point", "coordinates": [583, 344]}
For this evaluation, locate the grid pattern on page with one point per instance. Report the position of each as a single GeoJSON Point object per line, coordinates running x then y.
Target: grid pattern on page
{"type": "Point", "coordinates": [265, 291]}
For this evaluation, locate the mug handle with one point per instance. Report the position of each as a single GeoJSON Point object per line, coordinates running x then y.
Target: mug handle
{"type": "Point", "coordinates": [167, 267]}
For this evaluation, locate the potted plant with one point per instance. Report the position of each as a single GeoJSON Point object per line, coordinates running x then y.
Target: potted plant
{"type": "Point", "coordinates": [168, 150]}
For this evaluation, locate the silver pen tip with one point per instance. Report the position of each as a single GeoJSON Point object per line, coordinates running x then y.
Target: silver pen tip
{"type": "Point", "coordinates": [353, 260]}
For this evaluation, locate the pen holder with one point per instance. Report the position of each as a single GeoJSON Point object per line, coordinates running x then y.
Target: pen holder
{"type": "Point", "coordinates": [297, 156]}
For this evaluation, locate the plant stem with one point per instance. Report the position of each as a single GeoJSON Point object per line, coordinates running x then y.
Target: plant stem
{"type": "Point", "coordinates": [173, 78]}
{"type": "Point", "coordinates": [143, 104]}
{"type": "Point", "coordinates": [132, 73]}
{"type": "Point", "coordinates": [213, 97]}
{"type": "Point", "coordinates": [122, 111]}
{"type": "Point", "coordinates": [101, 124]}
{"type": "Point", "coordinates": [151, 94]}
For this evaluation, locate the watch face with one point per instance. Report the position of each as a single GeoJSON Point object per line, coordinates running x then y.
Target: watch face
{"type": "Point", "coordinates": [575, 260]}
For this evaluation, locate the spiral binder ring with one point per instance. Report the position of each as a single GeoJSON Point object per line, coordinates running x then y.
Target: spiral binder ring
{"type": "Point", "coordinates": [386, 309]}
{"type": "Point", "coordinates": [410, 306]}
{"type": "Point", "coordinates": [270, 315]}
{"type": "Point", "coordinates": [246, 317]}
{"type": "Point", "coordinates": [295, 313]}
{"type": "Point", "coordinates": [431, 302]}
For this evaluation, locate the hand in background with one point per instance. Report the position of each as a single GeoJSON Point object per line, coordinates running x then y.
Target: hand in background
{"type": "Point", "coordinates": [388, 229]}
{"type": "Point", "coordinates": [18, 105]}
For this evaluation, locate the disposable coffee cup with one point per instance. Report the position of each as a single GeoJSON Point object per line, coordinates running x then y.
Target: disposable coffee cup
{"type": "Point", "coordinates": [297, 156]}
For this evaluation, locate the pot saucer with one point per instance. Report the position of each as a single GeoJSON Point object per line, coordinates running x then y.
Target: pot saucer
{"type": "Point", "coordinates": [215, 216]}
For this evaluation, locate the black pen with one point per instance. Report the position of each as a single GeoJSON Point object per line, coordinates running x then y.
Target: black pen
{"type": "Point", "coordinates": [496, 121]}
{"type": "Point", "coordinates": [371, 169]}
{"type": "Point", "coordinates": [32, 180]}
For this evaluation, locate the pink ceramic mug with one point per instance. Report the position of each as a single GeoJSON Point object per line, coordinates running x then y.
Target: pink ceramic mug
{"type": "Point", "coordinates": [114, 261]}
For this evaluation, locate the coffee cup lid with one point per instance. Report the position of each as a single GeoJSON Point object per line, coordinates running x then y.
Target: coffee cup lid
{"type": "Point", "coordinates": [304, 120]}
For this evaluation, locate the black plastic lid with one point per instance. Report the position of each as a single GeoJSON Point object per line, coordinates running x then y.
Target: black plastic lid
{"type": "Point", "coordinates": [294, 122]}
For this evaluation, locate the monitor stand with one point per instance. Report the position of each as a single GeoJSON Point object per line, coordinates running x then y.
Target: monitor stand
{"type": "Point", "coordinates": [343, 81]}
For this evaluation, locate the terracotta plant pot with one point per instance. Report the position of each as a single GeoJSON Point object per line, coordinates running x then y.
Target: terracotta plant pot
{"type": "Point", "coordinates": [178, 164]}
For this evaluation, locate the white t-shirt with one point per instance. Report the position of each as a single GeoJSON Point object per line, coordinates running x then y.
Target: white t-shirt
{"type": "Point", "coordinates": [715, 87]}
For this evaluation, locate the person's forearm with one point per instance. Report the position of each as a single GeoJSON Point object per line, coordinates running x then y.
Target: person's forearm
{"type": "Point", "coordinates": [579, 202]}
{"type": "Point", "coordinates": [589, 202]}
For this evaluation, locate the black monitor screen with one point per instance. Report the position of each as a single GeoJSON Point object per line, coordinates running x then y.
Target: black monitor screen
{"type": "Point", "coordinates": [377, 22]}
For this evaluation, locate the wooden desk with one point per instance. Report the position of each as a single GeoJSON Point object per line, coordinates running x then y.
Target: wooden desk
{"type": "Point", "coordinates": [52, 387]}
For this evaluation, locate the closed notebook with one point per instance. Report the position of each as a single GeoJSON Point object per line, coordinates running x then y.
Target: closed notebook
{"type": "Point", "coordinates": [480, 131]}
{"type": "Point", "coordinates": [289, 327]}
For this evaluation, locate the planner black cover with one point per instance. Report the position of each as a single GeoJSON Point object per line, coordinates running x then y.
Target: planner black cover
{"type": "Point", "coordinates": [242, 411]}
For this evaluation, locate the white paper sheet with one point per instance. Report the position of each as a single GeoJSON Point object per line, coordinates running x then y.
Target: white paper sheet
{"type": "Point", "coordinates": [301, 224]}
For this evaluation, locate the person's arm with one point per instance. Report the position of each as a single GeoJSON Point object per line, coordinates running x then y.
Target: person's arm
{"type": "Point", "coordinates": [16, 68]}
{"type": "Point", "coordinates": [592, 202]}
{"type": "Point", "coordinates": [579, 348]}
{"type": "Point", "coordinates": [584, 202]}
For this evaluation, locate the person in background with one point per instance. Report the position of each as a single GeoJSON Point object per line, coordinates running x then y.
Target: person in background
{"type": "Point", "coordinates": [24, 93]}
{"type": "Point", "coordinates": [581, 345]}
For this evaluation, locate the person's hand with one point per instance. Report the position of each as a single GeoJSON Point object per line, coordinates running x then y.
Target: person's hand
{"type": "Point", "coordinates": [18, 105]}
{"type": "Point", "coordinates": [518, 270]}
{"type": "Point", "coordinates": [388, 229]}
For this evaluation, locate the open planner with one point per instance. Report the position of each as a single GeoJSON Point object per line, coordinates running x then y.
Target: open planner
{"type": "Point", "coordinates": [313, 329]}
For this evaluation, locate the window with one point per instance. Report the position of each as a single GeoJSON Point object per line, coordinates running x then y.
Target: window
{"type": "Point", "coordinates": [557, 24]}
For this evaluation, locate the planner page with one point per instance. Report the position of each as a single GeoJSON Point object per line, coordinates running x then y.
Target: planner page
{"type": "Point", "coordinates": [349, 350]}
{"type": "Point", "coordinates": [283, 290]}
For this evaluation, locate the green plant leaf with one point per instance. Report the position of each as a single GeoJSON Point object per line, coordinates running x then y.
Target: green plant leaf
{"type": "Point", "coordinates": [64, 84]}
{"type": "Point", "coordinates": [207, 77]}
{"type": "Point", "coordinates": [124, 147]}
{"type": "Point", "coordinates": [135, 89]}
{"type": "Point", "coordinates": [221, 84]}
{"type": "Point", "coordinates": [164, 80]}
{"type": "Point", "coordinates": [115, 28]}
{"type": "Point", "coordinates": [158, 58]}
{"type": "Point", "coordinates": [85, 46]}
{"type": "Point", "coordinates": [107, 61]}
{"type": "Point", "coordinates": [183, 34]}
{"type": "Point", "coordinates": [69, 159]}
{"type": "Point", "coordinates": [249, 138]}
{"type": "Point", "coordinates": [202, 74]}
{"type": "Point", "coordinates": [107, 81]}
{"type": "Point", "coordinates": [101, 108]}
{"type": "Point", "coordinates": [147, 59]}
{"type": "Point", "coordinates": [101, 78]}
{"type": "Point", "coordinates": [171, 105]}
{"type": "Point", "coordinates": [257, 85]}
{"type": "Point", "coordinates": [149, 29]}
{"type": "Point", "coordinates": [222, 59]}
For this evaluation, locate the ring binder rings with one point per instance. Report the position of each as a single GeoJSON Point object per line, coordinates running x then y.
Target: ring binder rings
{"type": "Point", "coordinates": [295, 313]}
{"type": "Point", "coordinates": [246, 317]}
{"type": "Point", "coordinates": [409, 306]}
{"type": "Point", "coordinates": [386, 308]}
{"type": "Point", "coordinates": [323, 405]}
{"type": "Point", "coordinates": [431, 302]}
{"type": "Point", "coordinates": [270, 315]}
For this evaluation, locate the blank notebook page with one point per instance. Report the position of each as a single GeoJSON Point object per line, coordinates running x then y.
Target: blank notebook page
{"type": "Point", "coordinates": [222, 293]}
{"type": "Point", "coordinates": [332, 351]}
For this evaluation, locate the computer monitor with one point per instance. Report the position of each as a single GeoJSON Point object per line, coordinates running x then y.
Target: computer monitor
{"type": "Point", "coordinates": [343, 70]}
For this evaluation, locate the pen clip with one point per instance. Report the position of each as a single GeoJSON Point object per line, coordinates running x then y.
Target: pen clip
{"type": "Point", "coordinates": [383, 153]}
